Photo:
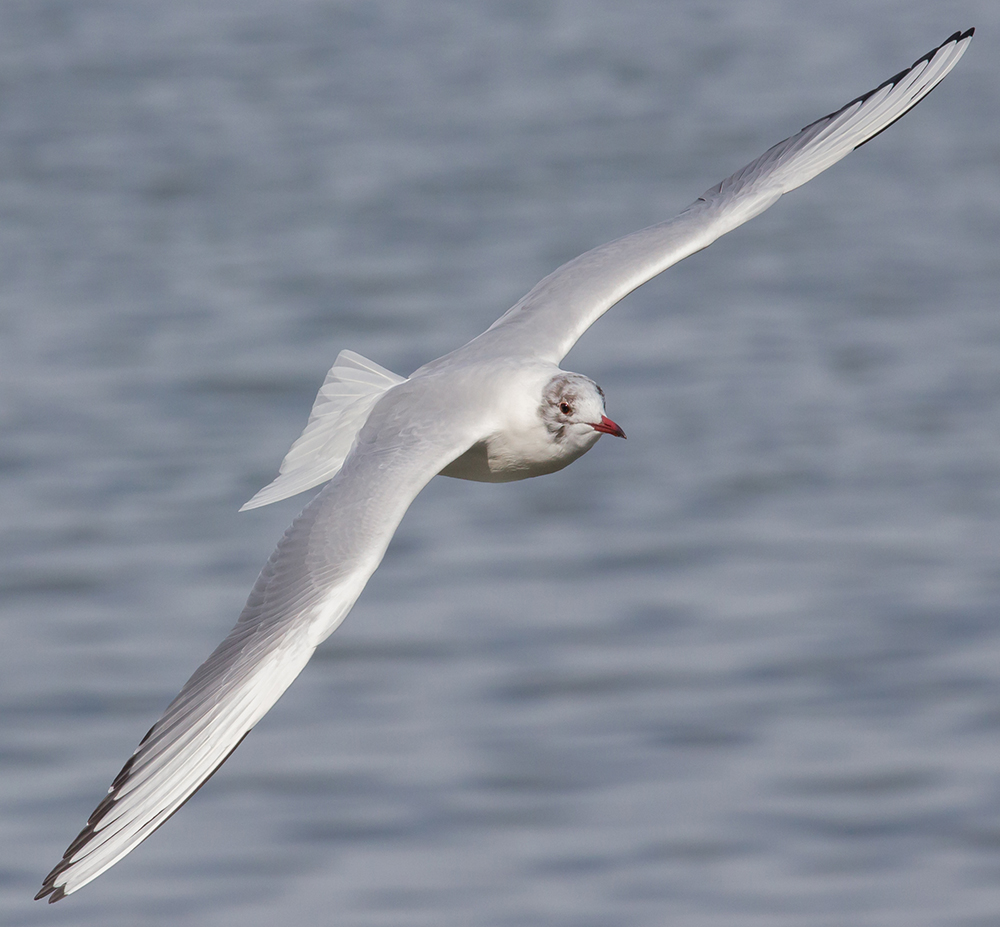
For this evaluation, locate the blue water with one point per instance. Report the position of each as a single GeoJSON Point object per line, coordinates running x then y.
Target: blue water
{"type": "Point", "coordinates": [741, 670]}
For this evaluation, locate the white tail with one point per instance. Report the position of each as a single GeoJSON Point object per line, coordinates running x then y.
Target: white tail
{"type": "Point", "coordinates": [342, 404]}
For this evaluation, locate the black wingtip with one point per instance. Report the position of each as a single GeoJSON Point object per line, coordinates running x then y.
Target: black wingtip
{"type": "Point", "coordinates": [49, 887]}
{"type": "Point", "coordinates": [957, 36]}
{"type": "Point", "coordinates": [55, 894]}
{"type": "Point", "coordinates": [954, 38]}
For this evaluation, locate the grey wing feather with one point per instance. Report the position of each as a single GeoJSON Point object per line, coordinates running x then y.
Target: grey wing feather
{"type": "Point", "coordinates": [303, 593]}
{"type": "Point", "coordinates": [549, 320]}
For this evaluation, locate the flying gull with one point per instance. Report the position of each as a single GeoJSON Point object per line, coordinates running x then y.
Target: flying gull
{"type": "Point", "coordinates": [500, 408]}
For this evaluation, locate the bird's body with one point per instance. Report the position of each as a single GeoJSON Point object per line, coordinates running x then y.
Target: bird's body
{"type": "Point", "coordinates": [519, 441]}
{"type": "Point", "coordinates": [497, 409]}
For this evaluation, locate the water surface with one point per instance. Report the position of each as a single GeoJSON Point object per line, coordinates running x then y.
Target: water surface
{"type": "Point", "coordinates": [743, 669]}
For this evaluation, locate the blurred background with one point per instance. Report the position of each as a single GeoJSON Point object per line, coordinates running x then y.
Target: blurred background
{"type": "Point", "coordinates": [741, 670]}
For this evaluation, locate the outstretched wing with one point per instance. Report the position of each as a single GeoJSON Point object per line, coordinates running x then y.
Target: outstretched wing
{"type": "Point", "coordinates": [548, 321]}
{"type": "Point", "coordinates": [303, 593]}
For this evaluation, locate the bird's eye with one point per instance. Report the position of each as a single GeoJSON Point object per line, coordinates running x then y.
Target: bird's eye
{"type": "Point", "coordinates": [565, 408]}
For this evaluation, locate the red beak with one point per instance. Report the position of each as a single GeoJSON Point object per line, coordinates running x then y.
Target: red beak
{"type": "Point", "coordinates": [608, 427]}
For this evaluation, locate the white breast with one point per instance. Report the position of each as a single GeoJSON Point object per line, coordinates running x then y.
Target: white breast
{"type": "Point", "coordinates": [524, 445]}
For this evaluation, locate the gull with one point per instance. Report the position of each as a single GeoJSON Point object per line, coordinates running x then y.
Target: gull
{"type": "Point", "coordinates": [498, 409]}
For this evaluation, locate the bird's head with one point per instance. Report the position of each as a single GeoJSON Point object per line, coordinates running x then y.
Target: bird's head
{"type": "Point", "coordinates": [573, 409]}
